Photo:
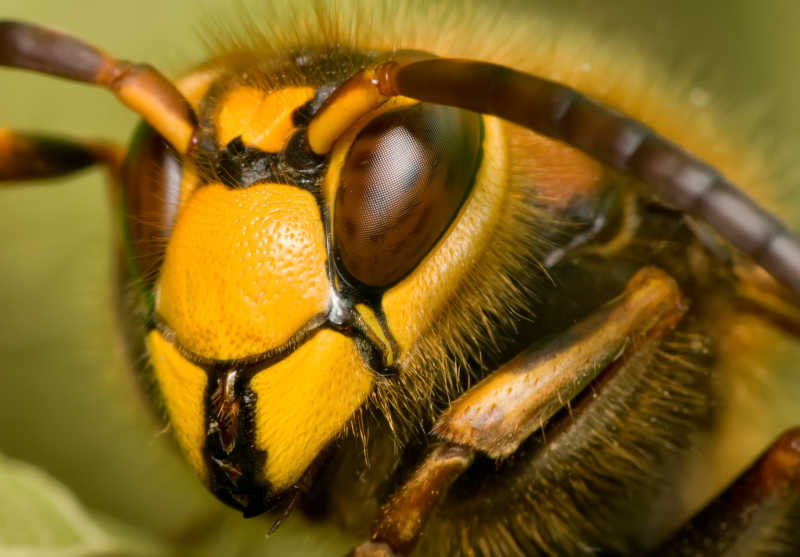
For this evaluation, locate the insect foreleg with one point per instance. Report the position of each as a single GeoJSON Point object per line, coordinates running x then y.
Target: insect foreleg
{"type": "Point", "coordinates": [518, 399]}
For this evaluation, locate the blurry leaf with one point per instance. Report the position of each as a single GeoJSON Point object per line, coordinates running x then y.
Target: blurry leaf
{"type": "Point", "coordinates": [39, 517]}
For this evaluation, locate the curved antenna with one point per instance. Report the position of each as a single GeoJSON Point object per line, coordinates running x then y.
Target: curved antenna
{"type": "Point", "coordinates": [139, 87]}
{"type": "Point", "coordinates": [554, 110]}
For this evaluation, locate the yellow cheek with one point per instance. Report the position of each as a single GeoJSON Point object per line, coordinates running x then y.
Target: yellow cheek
{"type": "Point", "coordinates": [304, 401]}
{"type": "Point", "coordinates": [244, 270]}
{"type": "Point", "coordinates": [183, 388]}
{"type": "Point", "coordinates": [413, 304]}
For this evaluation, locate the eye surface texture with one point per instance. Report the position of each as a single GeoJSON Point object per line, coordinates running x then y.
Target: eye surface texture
{"type": "Point", "coordinates": [403, 181]}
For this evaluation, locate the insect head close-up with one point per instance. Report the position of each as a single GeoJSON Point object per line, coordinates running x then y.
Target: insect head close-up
{"type": "Point", "coordinates": [399, 278]}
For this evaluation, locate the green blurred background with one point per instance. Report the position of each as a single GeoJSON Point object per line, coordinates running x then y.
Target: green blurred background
{"type": "Point", "coordinates": [65, 404]}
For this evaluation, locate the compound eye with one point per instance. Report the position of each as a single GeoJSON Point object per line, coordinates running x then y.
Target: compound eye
{"type": "Point", "coordinates": [151, 181]}
{"type": "Point", "coordinates": [403, 181]}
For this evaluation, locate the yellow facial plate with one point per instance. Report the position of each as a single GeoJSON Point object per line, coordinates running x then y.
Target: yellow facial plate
{"type": "Point", "coordinates": [244, 270]}
{"type": "Point", "coordinates": [183, 388]}
{"type": "Point", "coordinates": [264, 120]}
{"type": "Point", "coordinates": [304, 401]}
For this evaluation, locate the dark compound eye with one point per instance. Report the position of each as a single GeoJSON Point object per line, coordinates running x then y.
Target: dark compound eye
{"type": "Point", "coordinates": [403, 181]}
{"type": "Point", "coordinates": [151, 191]}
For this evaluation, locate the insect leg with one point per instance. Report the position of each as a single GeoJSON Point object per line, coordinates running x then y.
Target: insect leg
{"type": "Point", "coordinates": [519, 398]}
{"type": "Point", "coordinates": [504, 409]}
{"type": "Point", "coordinates": [31, 157]}
{"type": "Point", "coordinates": [757, 515]}
{"type": "Point", "coordinates": [139, 87]}
{"type": "Point", "coordinates": [404, 517]}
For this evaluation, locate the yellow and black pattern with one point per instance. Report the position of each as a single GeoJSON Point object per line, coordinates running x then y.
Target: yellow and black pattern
{"type": "Point", "coordinates": [295, 355]}
{"type": "Point", "coordinates": [259, 263]}
{"type": "Point", "coordinates": [322, 267]}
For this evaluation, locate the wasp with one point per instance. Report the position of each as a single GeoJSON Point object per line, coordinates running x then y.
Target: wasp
{"type": "Point", "coordinates": [461, 305]}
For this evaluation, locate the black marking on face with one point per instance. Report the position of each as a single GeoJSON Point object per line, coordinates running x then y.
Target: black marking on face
{"type": "Point", "coordinates": [239, 166]}
{"type": "Point", "coordinates": [235, 465]}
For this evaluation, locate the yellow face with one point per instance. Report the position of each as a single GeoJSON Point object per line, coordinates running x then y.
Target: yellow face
{"type": "Point", "coordinates": [298, 289]}
{"type": "Point", "coordinates": [251, 373]}
{"type": "Point", "coordinates": [271, 324]}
